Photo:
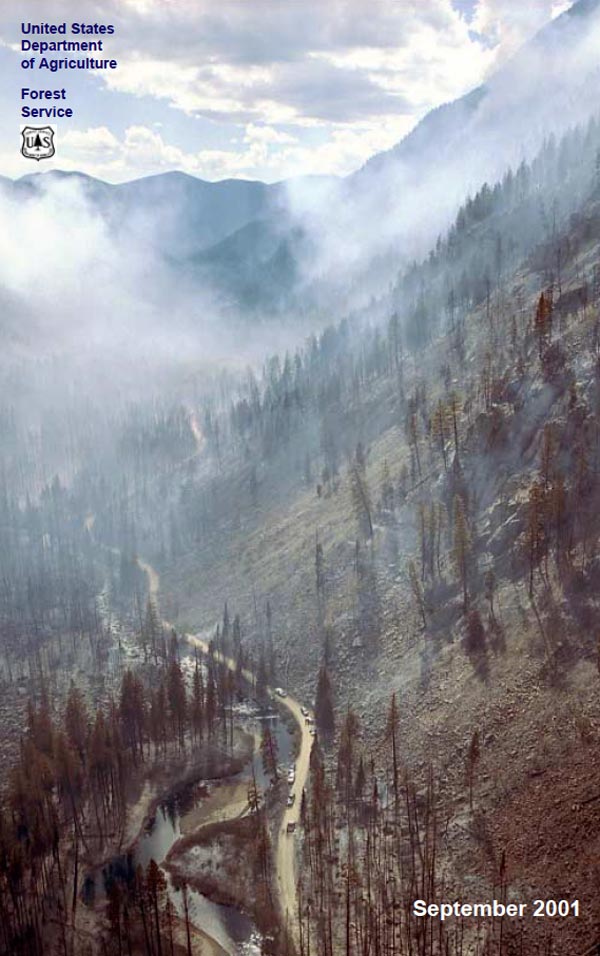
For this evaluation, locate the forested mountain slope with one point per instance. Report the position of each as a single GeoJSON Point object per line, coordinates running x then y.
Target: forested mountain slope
{"type": "Point", "coordinates": [418, 516]}
{"type": "Point", "coordinates": [396, 521]}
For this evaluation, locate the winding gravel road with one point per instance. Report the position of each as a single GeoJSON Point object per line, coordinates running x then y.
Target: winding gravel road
{"type": "Point", "coordinates": [285, 853]}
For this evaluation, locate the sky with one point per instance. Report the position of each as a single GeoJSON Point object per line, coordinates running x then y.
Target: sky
{"type": "Point", "coordinates": [255, 89]}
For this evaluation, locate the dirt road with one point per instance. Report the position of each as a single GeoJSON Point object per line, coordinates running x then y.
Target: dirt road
{"type": "Point", "coordinates": [153, 581]}
{"type": "Point", "coordinates": [285, 855]}
{"type": "Point", "coordinates": [285, 852]}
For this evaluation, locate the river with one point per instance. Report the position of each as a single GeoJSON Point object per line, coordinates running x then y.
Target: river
{"type": "Point", "coordinates": [232, 930]}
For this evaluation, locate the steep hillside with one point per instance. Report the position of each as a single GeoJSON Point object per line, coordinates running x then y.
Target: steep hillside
{"type": "Point", "coordinates": [300, 544]}
{"type": "Point", "coordinates": [258, 267]}
{"type": "Point", "coordinates": [547, 87]}
{"type": "Point", "coordinates": [444, 547]}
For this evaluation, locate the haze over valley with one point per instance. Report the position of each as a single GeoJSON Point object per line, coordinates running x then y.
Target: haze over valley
{"type": "Point", "coordinates": [299, 488]}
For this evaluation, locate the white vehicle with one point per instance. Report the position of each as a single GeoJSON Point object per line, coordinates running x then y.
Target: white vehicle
{"type": "Point", "coordinates": [304, 711]}
{"type": "Point", "coordinates": [291, 799]}
{"type": "Point", "coordinates": [291, 775]}
{"type": "Point", "coordinates": [313, 731]}
{"type": "Point", "coordinates": [280, 692]}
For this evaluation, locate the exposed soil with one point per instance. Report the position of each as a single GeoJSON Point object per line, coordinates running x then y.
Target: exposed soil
{"type": "Point", "coordinates": [224, 802]}
{"type": "Point", "coordinates": [549, 829]}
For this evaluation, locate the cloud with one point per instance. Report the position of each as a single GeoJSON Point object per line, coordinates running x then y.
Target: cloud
{"type": "Point", "coordinates": [73, 267]}
{"type": "Point", "coordinates": [561, 6]}
{"type": "Point", "coordinates": [279, 83]}
{"type": "Point", "coordinates": [344, 149]}
{"type": "Point", "coordinates": [142, 150]}
{"type": "Point", "coordinates": [309, 63]}
{"type": "Point", "coordinates": [91, 287]}
{"type": "Point", "coordinates": [507, 25]}
{"type": "Point", "coordinates": [97, 143]}
{"type": "Point", "coordinates": [266, 134]}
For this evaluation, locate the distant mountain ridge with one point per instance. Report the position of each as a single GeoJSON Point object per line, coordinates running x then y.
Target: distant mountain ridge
{"type": "Point", "coordinates": [194, 214]}
{"type": "Point", "coordinates": [244, 237]}
{"type": "Point", "coordinates": [449, 118]}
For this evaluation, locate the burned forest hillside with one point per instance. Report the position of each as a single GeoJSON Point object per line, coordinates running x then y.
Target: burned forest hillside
{"type": "Point", "coordinates": [415, 517]}
{"type": "Point", "coordinates": [299, 628]}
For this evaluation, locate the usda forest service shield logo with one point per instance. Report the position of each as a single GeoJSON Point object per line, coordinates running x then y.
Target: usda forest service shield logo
{"type": "Point", "coordinates": [37, 142]}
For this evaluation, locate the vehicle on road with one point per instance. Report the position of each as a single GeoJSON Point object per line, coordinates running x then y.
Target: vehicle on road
{"type": "Point", "coordinates": [313, 731]}
{"type": "Point", "coordinates": [291, 775]}
{"type": "Point", "coordinates": [291, 799]}
{"type": "Point", "coordinates": [280, 692]}
{"type": "Point", "coordinates": [304, 711]}
{"type": "Point", "coordinates": [291, 827]}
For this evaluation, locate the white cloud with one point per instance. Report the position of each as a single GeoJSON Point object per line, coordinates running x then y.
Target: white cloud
{"type": "Point", "coordinates": [214, 89]}
{"type": "Point", "coordinates": [309, 63]}
{"type": "Point", "coordinates": [266, 134]}
{"type": "Point", "coordinates": [560, 7]}
{"type": "Point", "coordinates": [507, 25]}
{"type": "Point", "coordinates": [143, 150]}
{"type": "Point", "coordinates": [344, 150]}
{"type": "Point", "coordinates": [276, 78]}
{"type": "Point", "coordinates": [97, 142]}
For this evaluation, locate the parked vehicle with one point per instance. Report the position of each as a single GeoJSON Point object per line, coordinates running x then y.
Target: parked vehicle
{"type": "Point", "coordinates": [291, 799]}
{"type": "Point", "coordinates": [304, 711]}
{"type": "Point", "coordinates": [291, 827]}
{"type": "Point", "coordinates": [280, 692]}
{"type": "Point", "coordinates": [291, 775]}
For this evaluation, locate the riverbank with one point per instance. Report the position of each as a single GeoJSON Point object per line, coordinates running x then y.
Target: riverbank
{"type": "Point", "coordinates": [226, 800]}
{"type": "Point", "coordinates": [285, 847]}
{"type": "Point", "coordinates": [165, 778]}
{"type": "Point", "coordinates": [230, 863]}
{"type": "Point", "coordinates": [282, 882]}
{"type": "Point", "coordinates": [166, 781]}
